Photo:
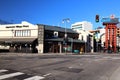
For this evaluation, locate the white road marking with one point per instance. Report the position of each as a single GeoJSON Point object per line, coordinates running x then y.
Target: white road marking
{"type": "Point", "coordinates": [47, 74]}
{"type": "Point", "coordinates": [115, 58]}
{"type": "Point", "coordinates": [70, 67]}
{"type": "Point", "coordinates": [3, 70]}
{"type": "Point", "coordinates": [10, 75]}
{"type": "Point", "coordinates": [35, 78]}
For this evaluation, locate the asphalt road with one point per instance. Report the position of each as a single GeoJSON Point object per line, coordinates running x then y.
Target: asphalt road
{"type": "Point", "coordinates": [59, 67]}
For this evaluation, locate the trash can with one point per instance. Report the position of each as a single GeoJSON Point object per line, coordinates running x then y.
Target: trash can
{"type": "Point", "coordinates": [76, 51]}
{"type": "Point", "coordinates": [81, 50]}
{"type": "Point", "coordinates": [109, 51]}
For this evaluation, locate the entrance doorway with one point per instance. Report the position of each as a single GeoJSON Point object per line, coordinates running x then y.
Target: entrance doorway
{"type": "Point", "coordinates": [56, 48]}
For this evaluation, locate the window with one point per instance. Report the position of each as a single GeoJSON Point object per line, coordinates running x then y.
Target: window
{"type": "Point", "coordinates": [25, 33]}
{"type": "Point", "coordinates": [18, 33]}
{"type": "Point", "coordinates": [22, 33]}
{"type": "Point", "coordinates": [28, 33]}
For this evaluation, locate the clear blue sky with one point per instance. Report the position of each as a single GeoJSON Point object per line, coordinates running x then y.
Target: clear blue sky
{"type": "Point", "coordinates": [52, 12]}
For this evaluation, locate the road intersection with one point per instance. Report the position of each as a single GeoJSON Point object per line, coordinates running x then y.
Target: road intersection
{"type": "Point", "coordinates": [59, 67]}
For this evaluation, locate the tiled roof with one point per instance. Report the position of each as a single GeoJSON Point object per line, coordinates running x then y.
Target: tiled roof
{"type": "Point", "coordinates": [56, 28]}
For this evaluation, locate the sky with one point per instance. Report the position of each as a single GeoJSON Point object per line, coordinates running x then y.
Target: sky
{"type": "Point", "coordinates": [52, 12]}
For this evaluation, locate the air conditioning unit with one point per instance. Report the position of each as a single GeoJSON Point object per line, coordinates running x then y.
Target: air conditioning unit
{"type": "Point", "coordinates": [55, 34]}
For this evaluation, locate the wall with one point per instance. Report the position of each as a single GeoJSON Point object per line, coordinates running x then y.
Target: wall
{"type": "Point", "coordinates": [84, 25]}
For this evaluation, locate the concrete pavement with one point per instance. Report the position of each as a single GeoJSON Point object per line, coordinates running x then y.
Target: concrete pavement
{"type": "Point", "coordinates": [115, 75]}
{"type": "Point", "coordinates": [95, 66]}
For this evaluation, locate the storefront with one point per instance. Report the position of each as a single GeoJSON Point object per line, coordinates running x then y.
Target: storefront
{"type": "Point", "coordinates": [58, 46]}
{"type": "Point", "coordinates": [19, 45]}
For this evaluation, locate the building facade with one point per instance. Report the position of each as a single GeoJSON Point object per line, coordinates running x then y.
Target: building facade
{"type": "Point", "coordinates": [19, 37]}
{"type": "Point", "coordinates": [118, 39]}
{"type": "Point", "coordinates": [54, 40]}
{"type": "Point", "coordinates": [83, 29]}
{"type": "Point", "coordinates": [82, 26]}
{"type": "Point", "coordinates": [39, 38]}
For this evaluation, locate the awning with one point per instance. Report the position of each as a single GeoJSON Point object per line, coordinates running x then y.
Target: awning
{"type": "Point", "coordinates": [54, 39]}
{"type": "Point", "coordinates": [17, 40]}
{"type": "Point", "coordinates": [69, 40]}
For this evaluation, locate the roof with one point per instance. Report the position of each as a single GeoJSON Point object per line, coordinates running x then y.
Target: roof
{"type": "Point", "coordinates": [56, 28]}
{"type": "Point", "coordinates": [92, 31]}
{"type": "Point", "coordinates": [2, 22]}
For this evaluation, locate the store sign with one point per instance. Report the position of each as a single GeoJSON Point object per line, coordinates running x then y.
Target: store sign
{"type": "Point", "coordinates": [40, 34]}
{"type": "Point", "coordinates": [110, 20]}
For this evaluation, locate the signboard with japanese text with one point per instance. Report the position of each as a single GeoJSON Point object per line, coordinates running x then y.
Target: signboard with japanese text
{"type": "Point", "coordinates": [40, 34]}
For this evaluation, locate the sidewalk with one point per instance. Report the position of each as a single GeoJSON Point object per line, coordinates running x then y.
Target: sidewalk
{"type": "Point", "coordinates": [115, 75]}
{"type": "Point", "coordinates": [38, 54]}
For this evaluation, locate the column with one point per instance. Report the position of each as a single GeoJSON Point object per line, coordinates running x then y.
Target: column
{"type": "Point", "coordinates": [92, 44]}
{"type": "Point", "coordinates": [115, 34]}
{"type": "Point", "coordinates": [106, 36]}
{"type": "Point", "coordinates": [60, 49]}
{"type": "Point", "coordinates": [40, 46]}
{"type": "Point", "coordinates": [110, 36]}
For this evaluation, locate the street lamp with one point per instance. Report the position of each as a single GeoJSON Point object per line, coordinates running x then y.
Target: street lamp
{"type": "Point", "coordinates": [66, 20]}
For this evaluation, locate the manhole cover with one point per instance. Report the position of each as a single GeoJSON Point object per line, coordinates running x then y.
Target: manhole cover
{"type": "Point", "coordinates": [67, 69]}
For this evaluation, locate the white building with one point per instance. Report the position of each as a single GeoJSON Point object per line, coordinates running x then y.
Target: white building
{"type": "Point", "coordinates": [82, 26]}
{"type": "Point", "coordinates": [83, 29]}
{"type": "Point", "coordinates": [24, 30]}
{"type": "Point", "coordinates": [101, 36]}
{"type": "Point", "coordinates": [18, 37]}
{"type": "Point", "coordinates": [88, 38]}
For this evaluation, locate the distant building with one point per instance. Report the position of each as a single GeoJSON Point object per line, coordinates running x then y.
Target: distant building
{"type": "Point", "coordinates": [118, 35]}
{"type": "Point", "coordinates": [83, 29]}
{"type": "Point", "coordinates": [98, 39]}
{"type": "Point", "coordinates": [118, 38]}
{"type": "Point", "coordinates": [87, 37]}
{"type": "Point", "coordinates": [101, 36]}
{"type": "Point", "coordinates": [82, 26]}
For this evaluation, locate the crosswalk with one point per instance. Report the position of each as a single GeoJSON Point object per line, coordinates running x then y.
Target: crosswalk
{"type": "Point", "coordinates": [8, 74]}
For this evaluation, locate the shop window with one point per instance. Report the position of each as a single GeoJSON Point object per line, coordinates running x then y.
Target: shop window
{"type": "Point", "coordinates": [22, 33]}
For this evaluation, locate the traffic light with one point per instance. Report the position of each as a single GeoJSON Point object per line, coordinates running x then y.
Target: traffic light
{"type": "Point", "coordinates": [97, 18]}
